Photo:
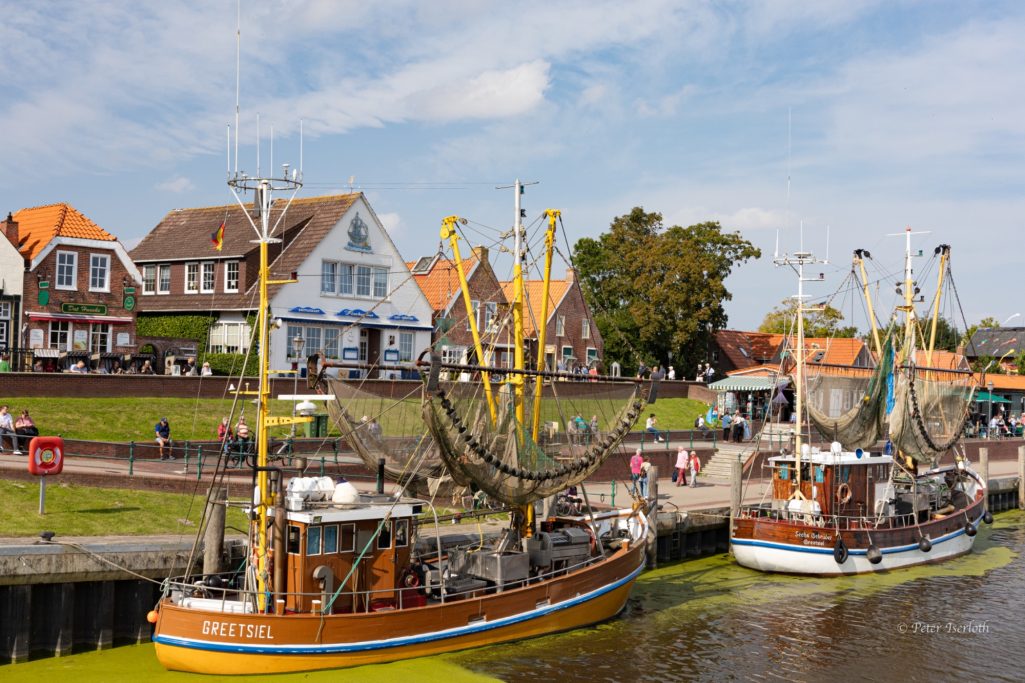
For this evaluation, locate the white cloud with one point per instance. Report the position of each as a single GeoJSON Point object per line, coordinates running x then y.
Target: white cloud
{"type": "Point", "coordinates": [177, 184]}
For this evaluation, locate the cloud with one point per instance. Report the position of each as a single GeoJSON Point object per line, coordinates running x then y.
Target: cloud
{"type": "Point", "coordinates": [177, 184]}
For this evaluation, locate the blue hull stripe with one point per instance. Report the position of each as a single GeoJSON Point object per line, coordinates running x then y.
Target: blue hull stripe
{"type": "Point", "coordinates": [396, 642]}
{"type": "Point", "coordinates": [851, 551]}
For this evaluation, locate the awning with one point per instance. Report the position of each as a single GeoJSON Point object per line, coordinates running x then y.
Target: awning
{"type": "Point", "coordinates": [71, 317]}
{"type": "Point", "coordinates": [986, 397]}
{"type": "Point", "coordinates": [46, 353]}
{"type": "Point", "coordinates": [361, 323]}
{"type": "Point", "coordinates": [743, 384]}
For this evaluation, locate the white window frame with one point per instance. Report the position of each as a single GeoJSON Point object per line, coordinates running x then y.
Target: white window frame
{"type": "Point", "coordinates": [161, 269]}
{"type": "Point", "coordinates": [208, 267]}
{"type": "Point", "coordinates": [491, 317]}
{"type": "Point", "coordinates": [560, 326]}
{"type": "Point", "coordinates": [101, 331]}
{"type": "Point", "coordinates": [406, 341]}
{"type": "Point", "coordinates": [328, 281]}
{"type": "Point", "coordinates": [475, 313]}
{"type": "Point", "coordinates": [149, 280]}
{"type": "Point", "coordinates": [368, 272]}
{"type": "Point", "coordinates": [65, 333]}
{"type": "Point", "coordinates": [229, 266]}
{"type": "Point", "coordinates": [567, 347]}
{"type": "Point", "coordinates": [332, 341]}
{"type": "Point", "coordinates": [192, 272]}
{"type": "Point", "coordinates": [592, 354]}
{"type": "Point", "coordinates": [94, 267]}
{"type": "Point", "coordinates": [374, 281]}
{"type": "Point", "coordinates": [221, 333]}
{"type": "Point", "coordinates": [585, 329]}
{"type": "Point", "coordinates": [74, 271]}
{"type": "Point", "coordinates": [346, 285]}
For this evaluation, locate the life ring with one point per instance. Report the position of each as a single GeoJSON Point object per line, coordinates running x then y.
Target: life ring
{"type": "Point", "coordinates": [45, 455]}
{"type": "Point", "coordinates": [411, 579]}
{"type": "Point", "coordinates": [843, 494]}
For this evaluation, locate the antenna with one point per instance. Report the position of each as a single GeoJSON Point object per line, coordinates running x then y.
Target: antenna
{"type": "Point", "coordinates": [238, 73]}
{"type": "Point", "coordinates": [229, 150]}
{"type": "Point", "coordinates": [272, 150]}
{"type": "Point", "coordinates": [258, 144]}
{"type": "Point", "coordinates": [300, 146]}
{"type": "Point", "coordinates": [826, 260]}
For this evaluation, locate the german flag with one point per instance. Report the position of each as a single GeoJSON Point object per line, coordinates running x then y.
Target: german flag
{"type": "Point", "coordinates": [218, 237]}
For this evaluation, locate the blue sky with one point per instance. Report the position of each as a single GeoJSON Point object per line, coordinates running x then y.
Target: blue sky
{"type": "Point", "coordinates": [903, 113]}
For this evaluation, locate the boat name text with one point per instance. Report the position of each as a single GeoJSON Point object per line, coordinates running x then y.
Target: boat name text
{"type": "Point", "coordinates": [231, 629]}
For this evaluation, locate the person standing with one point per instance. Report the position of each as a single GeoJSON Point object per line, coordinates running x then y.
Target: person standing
{"type": "Point", "coordinates": [726, 422]}
{"type": "Point", "coordinates": [672, 373]}
{"type": "Point", "coordinates": [645, 473]}
{"type": "Point", "coordinates": [635, 470]}
{"type": "Point", "coordinates": [681, 466]}
{"type": "Point", "coordinates": [163, 432]}
{"type": "Point", "coordinates": [695, 468]}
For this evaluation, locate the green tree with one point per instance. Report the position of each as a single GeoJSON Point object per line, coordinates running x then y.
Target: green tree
{"type": "Point", "coordinates": [818, 321]}
{"type": "Point", "coordinates": [657, 293]}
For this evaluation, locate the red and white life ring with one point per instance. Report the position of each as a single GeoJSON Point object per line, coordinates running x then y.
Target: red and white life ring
{"type": "Point", "coordinates": [45, 455]}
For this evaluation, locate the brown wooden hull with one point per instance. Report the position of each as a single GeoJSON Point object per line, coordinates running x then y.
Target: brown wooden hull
{"type": "Point", "coordinates": [207, 641]}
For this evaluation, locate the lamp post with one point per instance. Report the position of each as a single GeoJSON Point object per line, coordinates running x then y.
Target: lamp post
{"type": "Point", "coordinates": [989, 422]}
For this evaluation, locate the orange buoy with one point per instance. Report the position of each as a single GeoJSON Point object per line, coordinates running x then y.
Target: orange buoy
{"type": "Point", "coordinates": [152, 615]}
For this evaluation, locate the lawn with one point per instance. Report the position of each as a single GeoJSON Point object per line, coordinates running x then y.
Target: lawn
{"type": "Point", "coordinates": [85, 511]}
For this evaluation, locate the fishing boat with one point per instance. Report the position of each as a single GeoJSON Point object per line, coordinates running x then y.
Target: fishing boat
{"type": "Point", "coordinates": [852, 507]}
{"type": "Point", "coordinates": [338, 577]}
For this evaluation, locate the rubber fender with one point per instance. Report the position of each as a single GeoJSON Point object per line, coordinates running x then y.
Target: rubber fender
{"type": "Point", "coordinates": [874, 555]}
{"type": "Point", "coordinates": [924, 544]}
{"type": "Point", "coordinates": [840, 551]}
{"type": "Point", "coordinates": [970, 529]}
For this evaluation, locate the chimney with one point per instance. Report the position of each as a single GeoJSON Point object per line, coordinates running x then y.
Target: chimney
{"type": "Point", "coordinates": [11, 230]}
{"type": "Point", "coordinates": [571, 275]}
{"type": "Point", "coordinates": [481, 252]}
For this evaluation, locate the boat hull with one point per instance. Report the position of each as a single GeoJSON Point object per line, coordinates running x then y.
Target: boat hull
{"type": "Point", "coordinates": [212, 642]}
{"type": "Point", "coordinates": [794, 548]}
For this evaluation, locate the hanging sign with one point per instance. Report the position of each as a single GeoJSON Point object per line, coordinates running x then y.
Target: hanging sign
{"type": "Point", "coordinates": [87, 309]}
{"type": "Point", "coordinates": [44, 292]}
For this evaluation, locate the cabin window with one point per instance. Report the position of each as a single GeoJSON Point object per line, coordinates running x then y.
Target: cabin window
{"type": "Point", "coordinates": [347, 540]}
{"type": "Point", "coordinates": [784, 472]}
{"type": "Point", "coordinates": [330, 539]}
{"type": "Point", "coordinates": [384, 538]}
{"type": "Point", "coordinates": [313, 540]}
{"type": "Point", "coordinates": [294, 534]}
{"type": "Point", "coordinates": [820, 474]}
{"type": "Point", "coordinates": [401, 533]}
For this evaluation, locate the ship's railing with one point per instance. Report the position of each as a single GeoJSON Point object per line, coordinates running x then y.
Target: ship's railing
{"type": "Point", "coordinates": [842, 522]}
{"type": "Point", "coordinates": [204, 593]}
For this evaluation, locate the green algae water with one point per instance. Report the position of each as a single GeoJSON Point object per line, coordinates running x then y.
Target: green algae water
{"type": "Point", "coordinates": [710, 620]}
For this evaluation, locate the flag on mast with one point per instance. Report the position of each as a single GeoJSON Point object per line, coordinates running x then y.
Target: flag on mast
{"type": "Point", "coordinates": [218, 237]}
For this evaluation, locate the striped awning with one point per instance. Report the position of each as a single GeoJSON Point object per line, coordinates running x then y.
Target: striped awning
{"type": "Point", "coordinates": [743, 384]}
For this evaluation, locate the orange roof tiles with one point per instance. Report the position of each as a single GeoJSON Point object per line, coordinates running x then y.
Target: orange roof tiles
{"type": "Point", "coordinates": [835, 351]}
{"type": "Point", "coordinates": [1001, 382]}
{"type": "Point", "coordinates": [533, 293]}
{"type": "Point", "coordinates": [38, 226]}
{"type": "Point", "coordinates": [442, 282]}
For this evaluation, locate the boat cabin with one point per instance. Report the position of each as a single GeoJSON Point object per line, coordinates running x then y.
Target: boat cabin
{"type": "Point", "coordinates": [835, 483]}
{"type": "Point", "coordinates": [325, 540]}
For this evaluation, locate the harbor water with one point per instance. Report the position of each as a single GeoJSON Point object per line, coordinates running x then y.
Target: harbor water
{"type": "Point", "coordinates": [710, 620]}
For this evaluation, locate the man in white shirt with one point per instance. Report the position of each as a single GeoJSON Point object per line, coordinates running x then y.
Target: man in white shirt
{"type": "Point", "coordinates": [7, 429]}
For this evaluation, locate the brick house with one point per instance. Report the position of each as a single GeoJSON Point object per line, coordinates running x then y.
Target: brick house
{"type": "Point", "coordinates": [438, 278]}
{"type": "Point", "coordinates": [353, 300]}
{"type": "Point", "coordinates": [79, 288]}
{"type": "Point", "coordinates": [12, 278]}
{"type": "Point", "coordinates": [572, 339]}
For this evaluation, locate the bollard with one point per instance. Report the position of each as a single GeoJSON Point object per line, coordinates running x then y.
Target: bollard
{"type": "Point", "coordinates": [984, 468]}
{"type": "Point", "coordinates": [613, 503]}
{"type": "Point", "coordinates": [213, 539]}
{"type": "Point", "coordinates": [131, 458]}
{"type": "Point", "coordinates": [199, 463]}
{"type": "Point", "coordinates": [1021, 477]}
{"type": "Point", "coordinates": [334, 448]}
{"type": "Point", "coordinates": [736, 479]}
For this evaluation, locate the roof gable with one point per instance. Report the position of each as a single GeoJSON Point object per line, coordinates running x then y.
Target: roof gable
{"type": "Point", "coordinates": [533, 292]}
{"type": "Point", "coordinates": [441, 283]}
{"type": "Point", "coordinates": [38, 226]}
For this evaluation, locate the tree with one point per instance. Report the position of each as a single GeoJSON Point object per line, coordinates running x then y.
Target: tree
{"type": "Point", "coordinates": [657, 293]}
{"type": "Point", "coordinates": [818, 322]}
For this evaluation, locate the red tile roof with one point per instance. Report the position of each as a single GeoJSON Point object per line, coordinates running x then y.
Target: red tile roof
{"type": "Point", "coordinates": [533, 292]}
{"type": "Point", "coordinates": [442, 282]}
{"type": "Point", "coordinates": [39, 225]}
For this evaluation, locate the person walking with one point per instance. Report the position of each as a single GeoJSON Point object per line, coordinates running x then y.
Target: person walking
{"type": "Point", "coordinates": [163, 432]}
{"type": "Point", "coordinates": [681, 466]}
{"type": "Point", "coordinates": [695, 468]}
{"type": "Point", "coordinates": [635, 470]}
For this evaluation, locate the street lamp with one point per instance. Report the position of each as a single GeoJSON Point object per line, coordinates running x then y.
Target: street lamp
{"type": "Point", "coordinates": [989, 422]}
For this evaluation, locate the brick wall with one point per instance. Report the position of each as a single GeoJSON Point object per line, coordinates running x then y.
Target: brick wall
{"type": "Point", "coordinates": [575, 310]}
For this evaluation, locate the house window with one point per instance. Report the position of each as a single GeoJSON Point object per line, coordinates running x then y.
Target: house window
{"type": "Point", "coordinates": [345, 278]}
{"type": "Point", "coordinates": [312, 341]}
{"type": "Point", "coordinates": [67, 270]}
{"type": "Point", "coordinates": [229, 337]}
{"type": "Point", "coordinates": [380, 282]}
{"type": "Point", "coordinates": [592, 355]}
{"type": "Point", "coordinates": [231, 276]}
{"type": "Point", "coordinates": [405, 346]}
{"type": "Point", "coordinates": [362, 280]}
{"type": "Point", "coordinates": [5, 323]}
{"type": "Point", "coordinates": [560, 326]}
{"type": "Point", "coordinates": [191, 278]}
{"type": "Point", "coordinates": [328, 274]}
{"type": "Point", "coordinates": [475, 315]}
{"type": "Point", "coordinates": [99, 272]}
{"type": "Point", "coordinates": [364, 345]}
{"type": "Point", "coordinates": [60, 333]}
{"type": "Point", "coordinates": [452, 354]}
{"type": "Point", "coordinates": [491, 317]}
{"type": "Point", "coordinates": [149, 279]}
{"type": "Point", "coordinates": [99, 338]}
{"type": "Point", "coordinates": [567, 352]}
{"type": "Point", "coordinates": [331, 342]}
{"type": "Point", "coordinates": [208, 277]}
{"type": "Point", "coordinates": [585, 329]}
{"type": "Point", "coordinates": [164, 278]}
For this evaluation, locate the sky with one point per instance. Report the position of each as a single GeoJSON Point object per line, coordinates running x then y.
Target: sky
{"type": "Point", "coordinates": [822, 125]}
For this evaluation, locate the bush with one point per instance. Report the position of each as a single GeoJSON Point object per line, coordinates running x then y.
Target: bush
{"type": "Point", "coordinates": [231, 363]}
